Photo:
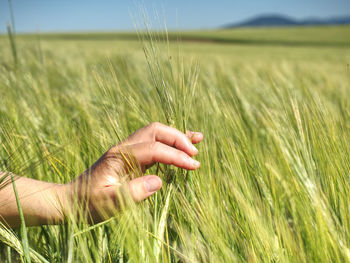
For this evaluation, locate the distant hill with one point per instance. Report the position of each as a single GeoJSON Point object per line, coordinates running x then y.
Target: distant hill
{"type": "Point", "coordinates": [281, 21]}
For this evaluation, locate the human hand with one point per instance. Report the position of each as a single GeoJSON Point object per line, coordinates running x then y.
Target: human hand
{"type": "Point", "coordinates": [112, 176]}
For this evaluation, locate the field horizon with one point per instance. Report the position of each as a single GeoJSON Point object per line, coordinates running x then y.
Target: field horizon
{"type": "Point", "coordinates": [332, 35]}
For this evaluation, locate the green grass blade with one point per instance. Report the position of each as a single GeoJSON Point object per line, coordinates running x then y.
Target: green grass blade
{"type": "Point", "coordinates": [23, 229]}
{"type": "Point", "coordinates": [12, 43]}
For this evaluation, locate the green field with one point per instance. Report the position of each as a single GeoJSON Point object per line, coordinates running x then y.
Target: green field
{"type": "Point", "coordinates": [273, 105]}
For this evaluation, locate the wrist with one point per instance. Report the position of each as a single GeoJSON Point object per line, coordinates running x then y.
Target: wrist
{"type": "Point", "coordinates": [73, 200]}
{"type": "Point", "coordinates": [64, 201]}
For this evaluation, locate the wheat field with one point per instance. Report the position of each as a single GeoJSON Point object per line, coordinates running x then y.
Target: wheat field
{"type": "Point", "coordinates": [274, 109]}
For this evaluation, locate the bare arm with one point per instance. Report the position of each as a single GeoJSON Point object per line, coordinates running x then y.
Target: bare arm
{"type": "Point", "coordinates": [41, 202]}
{"type": "Point", "coordinates": [98, 188]}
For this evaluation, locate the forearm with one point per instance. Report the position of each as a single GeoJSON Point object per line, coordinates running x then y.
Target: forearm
{"type": "Point", "coordinates": [41, 202]}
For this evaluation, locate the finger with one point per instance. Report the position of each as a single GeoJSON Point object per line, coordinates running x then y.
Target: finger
{"type": "Point", "coordinates": [143, 187]}
{"type": "Point", "coordinates": [159, 132]}
{"type": "Point", "coordinates": [195, 137]}
{"type": "Point", "coordinates": [152, 152]}
{"type": "Point", "coordinates": [174, 137]}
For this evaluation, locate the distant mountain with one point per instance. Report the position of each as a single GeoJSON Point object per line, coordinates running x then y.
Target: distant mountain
{"type": "Point", "coordinates": [282, 21]}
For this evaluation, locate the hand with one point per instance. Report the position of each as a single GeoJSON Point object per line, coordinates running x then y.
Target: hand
{"type": "Point", "coordinates": [101, 186]}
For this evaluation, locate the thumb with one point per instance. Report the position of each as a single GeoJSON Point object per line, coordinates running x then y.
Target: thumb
{"type": "Point", "coordinates": [143, 187]}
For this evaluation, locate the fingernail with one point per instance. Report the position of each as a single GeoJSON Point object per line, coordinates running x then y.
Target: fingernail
{"type": "Point", "coordinates": [152, 184]}
{"type": "Point", "coordinates": [199, 134]}
{"type": "Point", "coordinates": [195, 163]}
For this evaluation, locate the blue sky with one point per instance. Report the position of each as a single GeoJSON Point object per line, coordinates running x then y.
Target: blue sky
{"type": "Point", "coordinates": [107, 15]}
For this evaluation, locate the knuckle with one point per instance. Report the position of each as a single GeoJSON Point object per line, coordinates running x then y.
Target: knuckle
{"type": "Point", "coordinates": [113, 149]}
{"type": "Point", "coordinates": [116, 149]}
{"type": "Point", "coordinates": [154, 128]}
{"type": "Point", "coordinates": [155, 125]}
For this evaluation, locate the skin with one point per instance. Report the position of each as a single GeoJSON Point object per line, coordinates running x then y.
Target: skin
{"type": "Point", "coordinates": [105, 188]}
